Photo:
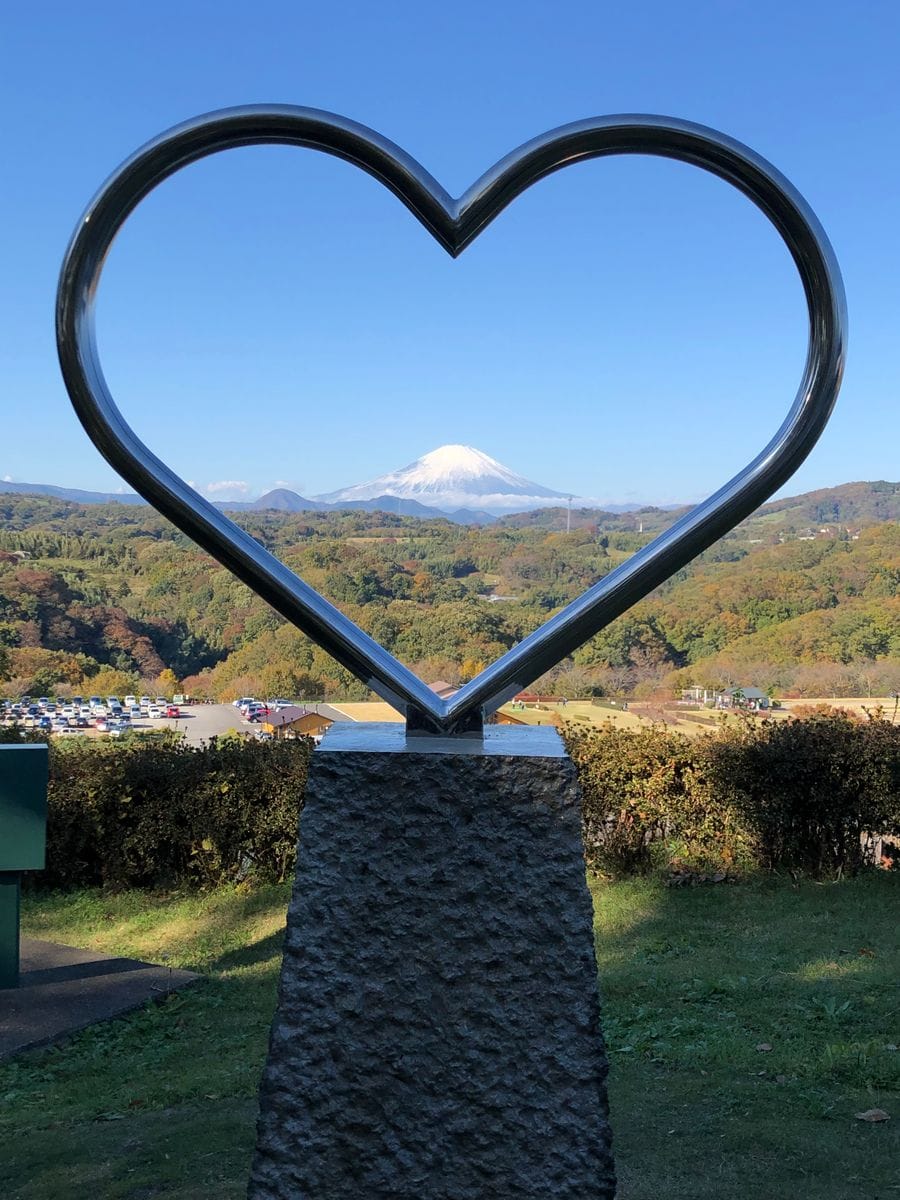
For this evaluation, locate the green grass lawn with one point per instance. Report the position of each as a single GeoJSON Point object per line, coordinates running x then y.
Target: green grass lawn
{"type": "Point", "coordinates": [696, 984]}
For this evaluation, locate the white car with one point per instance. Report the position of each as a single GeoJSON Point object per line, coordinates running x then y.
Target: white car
{"type": "Point", "coordinates": [134, 712]}
{"type": "Point", "coordinates": [155, 712]}
{"type": "Point", "coordinates": [130, 701]}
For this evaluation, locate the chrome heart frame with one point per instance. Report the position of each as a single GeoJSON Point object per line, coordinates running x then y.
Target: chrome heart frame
{"type": "Point", "coordinates": [454, 223]}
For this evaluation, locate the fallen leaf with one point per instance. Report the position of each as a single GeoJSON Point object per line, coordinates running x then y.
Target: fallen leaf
{"type": "Point", "coordinates": [764, 1047]}
{"type": "Point", "coordinates": [873, 1115]}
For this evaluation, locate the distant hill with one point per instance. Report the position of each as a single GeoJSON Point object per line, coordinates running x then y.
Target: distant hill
{"type": "Point", "coordinates": [76, 495]}
{"type": "Point", "coordinates": [648, 519]}
{"type": "Point", "coordinates": [789, 600]}
{"type": "Point", "coordinates": [277, 500]}
{"type": "Point", "coordinates": [284, 500]}
{"type": "Point", "coordinates": [845, 508]}
{"type": "Point", "coordinates": [849, 505]}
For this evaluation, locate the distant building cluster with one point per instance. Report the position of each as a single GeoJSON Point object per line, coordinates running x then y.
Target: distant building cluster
{"type": "Point", "coordinates": [751, 699]}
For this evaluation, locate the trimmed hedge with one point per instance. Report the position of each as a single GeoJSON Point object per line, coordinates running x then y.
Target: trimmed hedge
{"type": "Point", "coordinates": [796, 795]}
{"type": "Point", "coordinates": [136, 814]}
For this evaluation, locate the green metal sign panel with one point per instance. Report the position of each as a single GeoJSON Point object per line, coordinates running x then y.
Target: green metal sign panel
{"type": "Point", "coordinates": [23, 807]}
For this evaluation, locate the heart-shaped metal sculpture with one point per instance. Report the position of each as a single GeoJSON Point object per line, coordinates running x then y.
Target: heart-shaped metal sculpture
{"type": "Point", "coordinates": [454, 223]}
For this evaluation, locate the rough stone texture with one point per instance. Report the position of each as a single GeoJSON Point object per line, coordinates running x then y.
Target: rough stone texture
{"type": "Point", "coordinates": [437, 1032]}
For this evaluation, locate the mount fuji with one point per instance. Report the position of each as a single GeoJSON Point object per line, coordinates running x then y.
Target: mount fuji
{"type": "Point", "coordinates": [454, 477]}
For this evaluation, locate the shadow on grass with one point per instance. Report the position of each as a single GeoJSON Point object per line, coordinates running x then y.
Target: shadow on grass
{"type": "Point", "coordinates": [265, 950]}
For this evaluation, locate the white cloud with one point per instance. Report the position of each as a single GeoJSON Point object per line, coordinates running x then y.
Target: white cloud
{"type": "Point", "coordinates": [240, 486]}
{"type": "Point", "coordinates": [8, 479]}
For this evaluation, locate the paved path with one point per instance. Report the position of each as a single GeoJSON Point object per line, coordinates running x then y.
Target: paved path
{"type": "Point", "coordinates": [63, 990]}
{"type": "Point", "coordinates": [200, 722]}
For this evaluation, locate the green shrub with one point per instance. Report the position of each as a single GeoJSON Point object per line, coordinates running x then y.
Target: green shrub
{"type": "Point", "coordinates": [797, 795]}
{"type": "Point", "coordinates": [808, 791]}
{"type": "Point", "coordinates": [133, 814]}
{"type": "Point", "coordinates": [632, 784]}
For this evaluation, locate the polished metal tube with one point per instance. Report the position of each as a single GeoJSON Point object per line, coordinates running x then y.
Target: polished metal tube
{"type": "Point", "coordinates": [454, 223]}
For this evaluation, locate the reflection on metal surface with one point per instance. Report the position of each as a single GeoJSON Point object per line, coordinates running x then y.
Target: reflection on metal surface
{"type": "Point", "coordinates": [454, 223]}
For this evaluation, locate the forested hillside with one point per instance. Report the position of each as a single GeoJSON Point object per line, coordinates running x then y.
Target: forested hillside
{"type": "Point", "coordinates": [103, 598]}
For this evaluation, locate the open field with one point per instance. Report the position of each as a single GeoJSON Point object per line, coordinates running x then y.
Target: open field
{"type": "Point", "coordinates": [857, 704]}
{"type": "Point", "coordinates": [692, 723]}
{"type": "Point", "coordinates": [370, 710]}
{"type": "Point", "coordinates": [747, 1024]}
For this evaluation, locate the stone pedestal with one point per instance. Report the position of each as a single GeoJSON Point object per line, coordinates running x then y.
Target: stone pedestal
{"type": "Point", "coordinates": [437, 1034]}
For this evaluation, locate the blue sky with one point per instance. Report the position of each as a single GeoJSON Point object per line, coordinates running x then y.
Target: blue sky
{"type": "Point", "coordinates": [630, 329]}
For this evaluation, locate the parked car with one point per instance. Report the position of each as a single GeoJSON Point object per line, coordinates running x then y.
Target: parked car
{"type": "Point", "coordinates": [154, 712]}
{"type": "Point", "coordinates": [135, 712]}
{"type": "Point", "coordinates": [172, 710]}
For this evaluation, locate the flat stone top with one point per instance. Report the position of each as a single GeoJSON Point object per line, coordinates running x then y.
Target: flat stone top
{"type": "Point", "coordinates": [390, 737]}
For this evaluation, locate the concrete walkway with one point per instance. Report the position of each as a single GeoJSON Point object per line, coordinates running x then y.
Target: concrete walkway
{"type": "Point", "coordinates": [63, 990]}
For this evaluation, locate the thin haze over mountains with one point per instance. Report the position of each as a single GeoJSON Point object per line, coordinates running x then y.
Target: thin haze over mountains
{"type": "Point", "coordinates": [456, 481]}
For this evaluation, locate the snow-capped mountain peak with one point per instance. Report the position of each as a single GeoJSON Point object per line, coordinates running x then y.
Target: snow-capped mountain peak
{"type": "Point", "coordinates": [454, 476]}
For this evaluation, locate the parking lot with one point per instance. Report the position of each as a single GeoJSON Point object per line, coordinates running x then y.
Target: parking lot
{"type": "Point", "coordinates": [197, 723]}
